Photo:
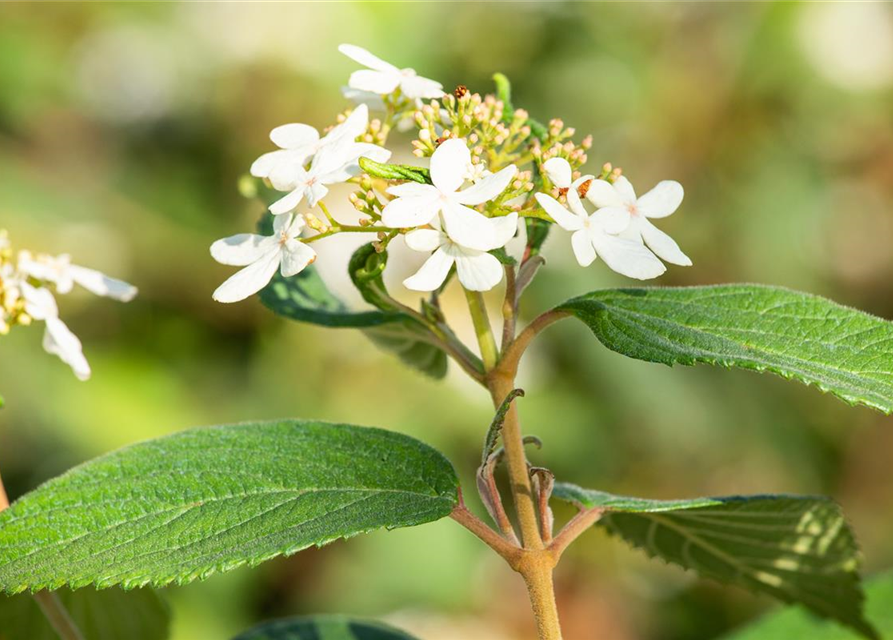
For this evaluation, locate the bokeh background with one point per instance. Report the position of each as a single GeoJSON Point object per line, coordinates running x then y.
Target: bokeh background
{"type": "Point", "coordinates": [124, 129]}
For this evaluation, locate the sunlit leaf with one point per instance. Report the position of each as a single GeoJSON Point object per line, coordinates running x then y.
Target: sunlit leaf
{"type": "Point", "coordinates": [207, 500]}
{"type": "Point", "coordinates": [795, 335]}
{"type": "Point", "coordinates": [798, 549]}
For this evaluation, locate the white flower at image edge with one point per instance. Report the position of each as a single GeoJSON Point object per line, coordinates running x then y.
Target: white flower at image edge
{"type": "Point", "coordinates": [261, 256]}
{"type": "Point", "coordinates": [64, 275]}
{"type": "Point", "coordinates": [419, 204]}
{"type": "Point", "coordinates": [595, 235]}
{"type": "Point", "coordinates": [57, 338]}
{"type": "Point", "coordinates": [660, 202]}
{"type": "Point", "coordinates": [383, 78]}
{"type": "Point", "coordinates": [335, 158]}
{"type": "Point", "coordinates": [477, 269]}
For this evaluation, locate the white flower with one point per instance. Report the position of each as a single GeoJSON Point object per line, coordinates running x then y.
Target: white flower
{"type": "Point", "coordinates": [559, 172]}
{"type": "Point", "coordinates": [477, 269]}
{"type": "Point", "coordinates": [57, 338]}
{"type": "Point", "coordinates": [59, 271]}
{"type": "Point", "coordinates": [383, 78]}
{"type": "Point", "coordinates": [261, 256]}
{"type": "Point", "coordinates": [335, 159]}
{"type": "Point", "coordinates": [596, 235]}
{"type": "Point", "coordinates": [660, 202]}
{"type": "Point", "coordinates": [418, 204]}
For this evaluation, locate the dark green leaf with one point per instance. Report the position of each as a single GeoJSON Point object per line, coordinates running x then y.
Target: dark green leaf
{"type": "Point", "coordinates": [503, 257]}
{"type": "Point", "coordinates": [537, 232]}
{"type": "Point", "coordinates": [796, 624]}
{"type": "Point", "coordinates": [110, 614]}
{"type": "Point", "coordinates": [306, 298]}
{"type": "Point", "coordinates": [323, 628]}
{"type": "Point", "coordinates": [206, 500]}
{"type": "Point", "coordinates": [395, 171]}
{"type": "Point", "coordinates": [796, 335]}
{"type": "Point", "coordinates": [798, 549]}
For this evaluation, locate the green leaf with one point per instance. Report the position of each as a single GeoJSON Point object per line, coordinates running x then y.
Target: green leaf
{"type": "Point", "coordinates": [795, 335]}
{"type": "Point", "coordinates": [305, 298]}
{"type": "Point", "coordinates": [797, 549]}
{"type": "Point", "coordinates": [503, 257]}
{"type": "Point", "coordinates": [789, 624]}
{"type": "Point", "coordinates": [111, 614]}
{"type": "Point", "coordinates": [186, 506]}
{"type": "Point", "coordinates": [332, 627]}
{"type": "Point", "coordinates": [395, 171]}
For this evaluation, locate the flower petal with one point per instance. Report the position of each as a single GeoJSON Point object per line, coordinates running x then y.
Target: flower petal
{"type": "Point", "coordinates": [417, 87]}
{"type": "Point", "coordinates": [102, 285]}
{"type": "Point", "coordinates": [411, 211]}
{"type": "Point", "coordinates": [354, 126]}
{"type": "Point", "coordinates": [374, 81]}
{"type": "Point", "coordinates": [267, 163]}
{"type": "Point", "coordinates": [242, 249]}
{"type": "Point", "coordinates": [295, 257]}
{"type": "Point", "coordinates": [294, 135]}
{"type": "Point", "coordinates": [368, 98]}
{"type": "Point", "coordinates": [249, 280]}
{"type": "Point", "coordinates": [625, 188]}
{"type": "Point", "coordinates": [488, 188]}
{"type": "Point", "coordinates": [603, 194]}
{"type": "Point", "coordinates": [581, 242]}
{"type": "Point", "coordinates": [662, 200]}
{"type": "Point", "coordinates": [559, 172]}
{"type": "Point", "coordinates": [627, 258]}
{"type": "Point", "coordinates": [414, 189]}
{"type": "Point", "coordinates": [472, 230]}
{"type": "Point", "coordinates": [359, 54]}
{"type": "Point", "coordinates": [60, 341]}
{"type": "Point", "coordinates": [564, 218]}
{"type": "Point", "coordinates": [316, 192]}
{"type": "Point", "coordinates": [424, 240]}
{"type": "Point", "coordinates": [449, 163]}
{"type": "Point", "coordinates": [289, 202]}
{"type": "Point", "coordinates": [39, 302]}
{"type": "Point", "coordinates": [433, 272]}
{"type": "Point", "coordinates": [662, 245]}
{"type": "Point", "coordinates": [613, 220]}
{"type": "Point", "coordinates": [478, 271]}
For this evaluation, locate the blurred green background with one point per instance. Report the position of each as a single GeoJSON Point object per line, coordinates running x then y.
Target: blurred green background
{"type": "Point", "coordinates": [124, 129]}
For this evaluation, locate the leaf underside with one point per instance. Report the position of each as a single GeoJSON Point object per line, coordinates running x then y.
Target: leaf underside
{"type": "Point", "coordinates": [110, 614]}
{"type": "Point", "coordinates": [797, 549]}
{"type": "Point", "coordinates": [207, 500]}
{"type": "Point", "coordinates": [331, 627]}
{"type": "Point", "coordinates": [793, 624]}
{"type": "Point", "coordinates": [305, 298]}
{"type": "Point", "coordinates": [807, 338]}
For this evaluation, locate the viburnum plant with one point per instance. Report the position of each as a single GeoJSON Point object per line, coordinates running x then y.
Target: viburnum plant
{"type": "Point", "coordinates": [497, 182]}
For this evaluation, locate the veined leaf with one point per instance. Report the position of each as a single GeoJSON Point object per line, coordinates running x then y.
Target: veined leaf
{"type": "Point", "coordinates": [793, 624]}
{"type": "Point", "coordinates": [798, 549]}
{"type": "Point", "coordinates": [323, 628]}
{"type": "Point", "coordinates": [189, 505]}
{"type": "Point", "coordinates": [395, 171]}
{"type": "Point", "coordinates": [110, 614]}
{"type": "Point", "coordinates": [795, 335]}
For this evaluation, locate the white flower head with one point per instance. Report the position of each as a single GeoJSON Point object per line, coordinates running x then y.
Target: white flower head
{"type": "Point", "coordinates": [383, 78]}
{"type": "Point", "coordinates": [261, 256]}
{"type": "Point", "coordinates": [596, 234]}
{"type": "Point", "coordinates": [64, 275]}
{"type": "Point", "coordinates": [660, 202]}
{"type": "Point", "coordinates": [419, 204]}
{"type": "Point", "coordinates": [335, 158]}
{"type": "Point", "coordinates": [477, 269]}
{"type": "Point", "coordinates": [57, 338]}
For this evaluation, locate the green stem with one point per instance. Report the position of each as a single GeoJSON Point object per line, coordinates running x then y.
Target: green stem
{"type": "Point", "coordinates": [348, 228]}
{"type": "Point", "coordinates": [482, 328]}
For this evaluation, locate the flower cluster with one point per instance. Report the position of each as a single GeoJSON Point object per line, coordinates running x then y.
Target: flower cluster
{"type": "Point", "coordinates": [491, 167]}
{"type": "Point", "coordinates": [26, 280]}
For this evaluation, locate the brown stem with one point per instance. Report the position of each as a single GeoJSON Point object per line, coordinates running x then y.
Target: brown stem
{"type": "Point", "coordinates": [511, 356]}
{"type": "Point", "coordinates": [58, 617]}
{"type": "Point", "coordinates": [48, 601]}
{"type": "Point", "coordinates": [573, 529]}
{"type": "Point", "coordinates": [478, 527]}
{"type": "Point", "coordinates": [541, 590]}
